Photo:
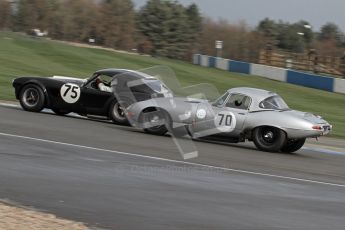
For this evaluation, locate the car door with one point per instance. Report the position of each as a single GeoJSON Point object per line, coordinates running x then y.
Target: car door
{"type": "Point", "coordinates": [64, 95]}
{"type": "Point", "coordinates": [96, 101]}
{"type": "Point", "coordinates": [237, 105]}
{"type": "Point", "coordinates": [206, 116]}
{"type": "Point", "coordinates": [227, 117]}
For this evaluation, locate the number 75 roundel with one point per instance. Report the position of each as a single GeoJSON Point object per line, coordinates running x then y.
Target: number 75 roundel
{"type": "Point", "coordinates": [70, 93]}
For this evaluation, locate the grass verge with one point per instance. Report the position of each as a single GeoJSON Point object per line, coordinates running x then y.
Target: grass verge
{"type": "Point", "coordinates": [24, 56]}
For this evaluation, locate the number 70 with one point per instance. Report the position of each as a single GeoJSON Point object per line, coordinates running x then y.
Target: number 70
{"type": "Point", "coordinates": [225, 120]}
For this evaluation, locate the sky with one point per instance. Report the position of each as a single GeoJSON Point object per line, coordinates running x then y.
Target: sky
{"type": "Point", "coordinates": [316, 12]}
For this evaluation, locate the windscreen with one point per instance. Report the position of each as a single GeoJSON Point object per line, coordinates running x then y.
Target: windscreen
{"type": "Point", "coordinates": [158, 87]}
{"type": "Point", "coordinates": [274, 102]}
{"type": "Point", "coordinates": [163, 80]}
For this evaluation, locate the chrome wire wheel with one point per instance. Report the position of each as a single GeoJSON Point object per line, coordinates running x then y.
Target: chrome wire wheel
{"type": "Point", "coordinates": [31, 97]}
{"type": "Point", "coordinates": [159, 122]}
{"type": "Point", "coordinates": [155, 121]}
{"type": "Point", "coordinates": [119, 112]}
{"type": "Point", "coordinates": [268, 138]}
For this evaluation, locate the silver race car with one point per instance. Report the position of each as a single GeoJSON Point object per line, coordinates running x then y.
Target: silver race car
{"type": "Point", "coordinates": [240, 114]}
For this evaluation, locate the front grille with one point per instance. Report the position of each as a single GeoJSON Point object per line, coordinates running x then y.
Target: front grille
{"type": "Point", "coordinates": [326, 127]}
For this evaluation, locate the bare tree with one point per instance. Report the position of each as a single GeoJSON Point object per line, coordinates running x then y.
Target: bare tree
{"type": "Point", "coordinates": [117, 24]}
{"type": "Point", "coordinates": [5, 14]}
{"type": "Point", "coordinates": [239, 41]}
{"type": "Point", "coordinates": [32, 14]}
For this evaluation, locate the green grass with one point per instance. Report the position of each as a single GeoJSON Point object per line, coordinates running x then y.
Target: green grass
{"type": "Point", "coordinates": [24, 56]}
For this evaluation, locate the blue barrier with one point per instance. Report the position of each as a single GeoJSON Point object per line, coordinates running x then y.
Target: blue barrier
{"type": "Point", "coordinates": [310, 80]}
{"type": "Point", "coordinates": [285, 75]}
{"type": "Point", "coordinates": [239, 67]}
{"type": "Point", "coordinates": [212, 61]}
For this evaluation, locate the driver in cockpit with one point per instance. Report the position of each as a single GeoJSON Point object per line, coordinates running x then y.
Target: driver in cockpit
{"type": "Point", "coordinates": [102, 87]}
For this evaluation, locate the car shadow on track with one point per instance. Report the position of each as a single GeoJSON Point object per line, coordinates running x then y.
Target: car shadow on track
{"type": "Point", "coordinates": [243, 145]}
{"type": "Point", "coordinates": [126, 128]}
{"type": "Point", "coordinates": [110, 124]}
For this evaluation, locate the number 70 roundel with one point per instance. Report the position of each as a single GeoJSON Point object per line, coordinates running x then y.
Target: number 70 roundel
{"type": "Point", "coordinates": [70, 93]}
{"type": "Point", "coordinates": [225, 121]}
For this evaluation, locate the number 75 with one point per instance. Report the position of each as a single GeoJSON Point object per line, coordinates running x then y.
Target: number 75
{"type": "Point", "coordinates": [73, 90]}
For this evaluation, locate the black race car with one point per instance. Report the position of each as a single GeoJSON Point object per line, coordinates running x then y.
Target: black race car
{"type": "Point", "coordinates": [91, 96]}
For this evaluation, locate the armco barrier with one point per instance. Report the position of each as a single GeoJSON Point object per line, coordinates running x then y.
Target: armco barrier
{"type": "Point", "coordinates": [310, 80]}
{"type": "Point", "coordinates": [212, 62]}
{"type": "Point", "coordinates": [239, 67]}
{"type": "Point", "coordinates": [204, 61]}
{"type": "Point", "coordinates": [222, 63]}
{"type": "Point", "coordinates": [274, 73]}
{"type": "Point", "coordinates": [339, 85]}
{"type": "Point", "coordinates": [279, 74]}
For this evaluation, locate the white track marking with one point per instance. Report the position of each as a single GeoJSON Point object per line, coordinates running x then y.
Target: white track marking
{"type": "Point", "coordinates": [93, 159]}
{"type": "Point", "coordinates": [175, 161]}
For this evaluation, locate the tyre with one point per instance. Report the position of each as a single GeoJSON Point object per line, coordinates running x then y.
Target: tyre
{"type": "Point", "coordinates": [293, 145]}
{"type": "Point", "coordinates": [269, 139]}
{"type": "Point", "coordinates": [60, 112]}
{"type": "Point", "coordinates": [153, 117]}
{"type": "Point", "coordinates": [32, 98]}
{"type": "Point", "coordinates": [117, 113]}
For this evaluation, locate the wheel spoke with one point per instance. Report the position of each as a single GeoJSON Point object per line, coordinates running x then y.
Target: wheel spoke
{"type": "Point", "coordinates": [31, 97]}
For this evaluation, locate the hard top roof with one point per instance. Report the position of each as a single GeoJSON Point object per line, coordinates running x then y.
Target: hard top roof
{"type": "Point", "coordinates": [259, 94]}
{"type": "Point", "coordinates": [115, 71]}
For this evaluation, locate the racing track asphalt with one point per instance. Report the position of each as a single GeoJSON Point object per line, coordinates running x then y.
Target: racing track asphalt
{"type": "Point", "coordinates": [87, 170]}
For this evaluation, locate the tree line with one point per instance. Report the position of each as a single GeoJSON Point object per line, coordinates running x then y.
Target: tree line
{"type": "Point", "coordinates": [163, 28]}
{"type": "Point", "coordinates": [300, 36]}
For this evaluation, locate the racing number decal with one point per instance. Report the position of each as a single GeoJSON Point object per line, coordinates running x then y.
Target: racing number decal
{"type": "Point", "coordinates": [225, 121]}
{"type": "Point", "coordinates": [70, 93]}
{"type": "Point", "coordinates": [201, 113]}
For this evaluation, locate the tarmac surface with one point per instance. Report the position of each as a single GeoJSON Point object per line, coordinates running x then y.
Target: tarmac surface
{"type": "Point", "coordinates": [116, 177]}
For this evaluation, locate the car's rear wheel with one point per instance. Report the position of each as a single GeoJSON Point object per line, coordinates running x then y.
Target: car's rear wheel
{"type": "Point", "coordinates": [293, 145]}
{"type": "Point", "coordinates": [32, 98]}
{"type": "Point", "coordinates": [150, 118]}
{"type": "Point", "coordinates": [117, 113]}
{"type": "Point", "coordinates": [60, 112]}
{"type": "Point", "coordinates": [269, 139]}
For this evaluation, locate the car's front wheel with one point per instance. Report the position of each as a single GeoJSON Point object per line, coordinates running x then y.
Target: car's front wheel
{"type": "Point", "coordinates": [269, 139]}
{"type": "Point", "coordinates": [32, 98]}
{"type": "Point", "coordinates": [117, 113]}
{"type": "Point", "coordinates": [293, 145]}
{"type": "Point", "coordinates": [156, 122]}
